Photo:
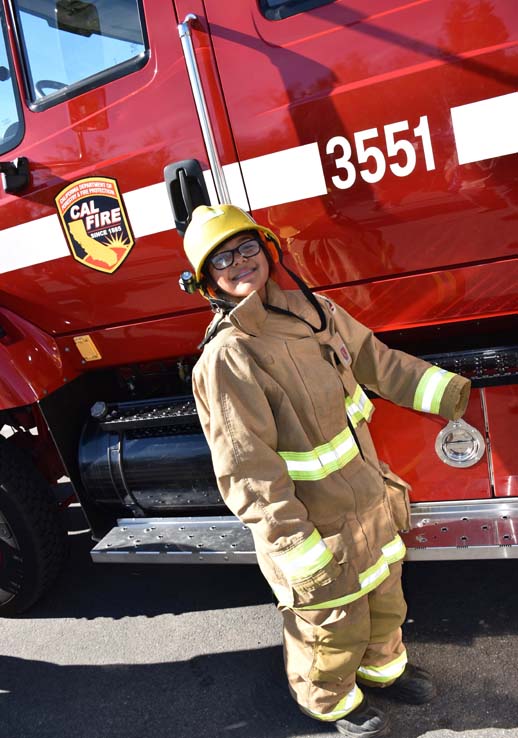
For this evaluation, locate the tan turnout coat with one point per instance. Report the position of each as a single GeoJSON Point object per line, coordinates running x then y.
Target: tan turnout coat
{"type": "Point", "coordinates": [287, 424]}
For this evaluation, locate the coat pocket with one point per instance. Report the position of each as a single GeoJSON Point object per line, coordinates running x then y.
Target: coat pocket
{"type": "Point", "coordinates": [305, 588]}
{"type": "Point", "coordinates": [398, 498]}
{"type": "Point", "coordinates": [331, 581]}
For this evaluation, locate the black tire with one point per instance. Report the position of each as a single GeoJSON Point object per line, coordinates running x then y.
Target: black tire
{"type": "Point", "coordinates": [33, 540]}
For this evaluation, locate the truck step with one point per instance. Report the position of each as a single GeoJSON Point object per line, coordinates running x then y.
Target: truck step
{"type": "Point", "coordinates": [469, 529]}
{"type": "Point", "coordinates": [210, 540]}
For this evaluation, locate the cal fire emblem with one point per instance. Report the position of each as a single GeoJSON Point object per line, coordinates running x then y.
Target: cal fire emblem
{"type": "Point", "coordinates": [95, 223]}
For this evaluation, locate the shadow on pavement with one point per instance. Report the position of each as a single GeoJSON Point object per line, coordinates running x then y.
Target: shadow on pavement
{"type": "Point", "coordinates": [231, 694]}
{"type": "Point", "coordinates": [241, 694]}
{"type": "Point", "coordinates": [458, 601]}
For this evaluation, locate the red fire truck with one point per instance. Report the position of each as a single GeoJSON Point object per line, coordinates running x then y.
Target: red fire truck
{"type": "Point", "coordinates": [378, 138]}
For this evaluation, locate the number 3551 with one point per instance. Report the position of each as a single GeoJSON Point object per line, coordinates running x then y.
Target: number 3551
{"type": "Point", "coordinates": [400, 156]}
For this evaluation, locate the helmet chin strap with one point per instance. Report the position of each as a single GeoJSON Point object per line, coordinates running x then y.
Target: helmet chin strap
{"type": "Point", "coordinates": [221, 306]}
{"type": "Point", "coordinates": [307, 293]}
{"type": "Point", "coordinates": [212, 332]}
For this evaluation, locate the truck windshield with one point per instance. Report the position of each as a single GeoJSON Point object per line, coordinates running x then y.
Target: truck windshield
{"type": "Point", "coordinates": [11, 127]}
{"type": "Point", "coordinates": [65, 42]}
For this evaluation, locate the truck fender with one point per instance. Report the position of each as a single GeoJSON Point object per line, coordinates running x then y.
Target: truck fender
{"type": "Point", "coordinates": [31, 365]}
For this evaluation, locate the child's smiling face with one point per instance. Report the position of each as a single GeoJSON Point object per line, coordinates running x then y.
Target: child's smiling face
{"type": "Point", "coordinates": [245, 273]}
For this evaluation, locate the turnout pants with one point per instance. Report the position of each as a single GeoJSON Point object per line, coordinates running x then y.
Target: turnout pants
{"type": "Point", "coordinates": [327, 651]}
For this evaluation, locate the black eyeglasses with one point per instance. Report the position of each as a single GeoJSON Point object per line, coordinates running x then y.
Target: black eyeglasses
{"type": "Point", "coordinates": [226, 258]}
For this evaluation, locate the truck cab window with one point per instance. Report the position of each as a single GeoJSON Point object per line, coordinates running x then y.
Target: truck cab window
{"type": "Point", "coordinates": [11, 125]}
{"type": "Point", "coordinates": [279, 9]}
{"type": "Point", "coordinates": [68, 44]}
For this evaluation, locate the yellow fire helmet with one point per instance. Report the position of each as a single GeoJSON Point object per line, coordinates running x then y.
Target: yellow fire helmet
{"type": "Point", "coordinates": [211, 225]}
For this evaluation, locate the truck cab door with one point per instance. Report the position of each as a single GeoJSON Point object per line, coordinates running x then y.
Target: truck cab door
{"type": "Point", "coordinates": [356, 142]}
{"type": "Point", "coordinates": [92, 91]}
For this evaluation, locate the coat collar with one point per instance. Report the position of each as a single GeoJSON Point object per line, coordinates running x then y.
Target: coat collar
{"type": "Point", "coordinates": [251, 317]}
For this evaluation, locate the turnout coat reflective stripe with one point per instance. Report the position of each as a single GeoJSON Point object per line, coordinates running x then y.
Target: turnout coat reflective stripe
{"type": "Point", "coordinates": [286, 420]}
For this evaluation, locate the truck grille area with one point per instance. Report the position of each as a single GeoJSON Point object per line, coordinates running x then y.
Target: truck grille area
{"type": "Point", "coordinates": [485, 367]}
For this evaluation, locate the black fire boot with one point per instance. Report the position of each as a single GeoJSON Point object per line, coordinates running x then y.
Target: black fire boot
{"type": "Point", "coordinates": [414, 686]}
{"type": "Point", "coordinates": [363, 722]}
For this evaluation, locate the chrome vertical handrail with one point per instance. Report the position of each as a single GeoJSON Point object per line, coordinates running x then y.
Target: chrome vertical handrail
{"type": "Point", "coordinates": [220, 183]}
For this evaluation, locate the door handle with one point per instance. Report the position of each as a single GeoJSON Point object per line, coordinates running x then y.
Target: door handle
{"type": "Point", "coordinates": [15, 174]}
{"type": "Point", "coordinates": [186, 189]}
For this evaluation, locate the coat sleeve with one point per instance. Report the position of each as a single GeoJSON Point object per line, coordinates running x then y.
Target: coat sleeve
{"type": "Point", "coordinates": [400, 377]}
{"type": "Point", "coordinates": [239, 425]}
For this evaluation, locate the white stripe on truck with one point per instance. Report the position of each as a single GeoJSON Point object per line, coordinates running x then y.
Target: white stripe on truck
{"type": "Point", "coordinates": [486, 129]}
{"type": "Point", "coordinates": [482, 130]}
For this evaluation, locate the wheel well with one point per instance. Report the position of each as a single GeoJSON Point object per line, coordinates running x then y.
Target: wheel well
{"type": "Point", "coordinates": [25, 428]}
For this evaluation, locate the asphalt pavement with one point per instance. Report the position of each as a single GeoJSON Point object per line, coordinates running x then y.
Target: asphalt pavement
{"type": "Point", "coordinates": [195, 652]}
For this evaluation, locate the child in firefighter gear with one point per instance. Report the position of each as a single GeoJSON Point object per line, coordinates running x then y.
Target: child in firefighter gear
{"type": "Point", "coordinates": [279, 392]}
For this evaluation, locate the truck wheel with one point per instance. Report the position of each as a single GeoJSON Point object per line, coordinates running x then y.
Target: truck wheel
{"type": "Point", "coordinates": [33, 541]}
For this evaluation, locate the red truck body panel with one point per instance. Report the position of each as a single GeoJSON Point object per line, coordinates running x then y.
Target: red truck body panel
{"type": "Point", "coordinates": [346, 129]}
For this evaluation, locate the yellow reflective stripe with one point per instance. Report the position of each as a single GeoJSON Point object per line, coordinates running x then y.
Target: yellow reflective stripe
{"type": "Point", "coordinates": [394, 551]}
{"type": "Point", "coordinates": [353, 412]}
{"type": "Point", "coordinates": [387, 672]}
{"type": "Point", "coordinates": [430, 389]}
{"type": "Point", "coordinates": [374, 574]}
{"type": "Point", "coordinates": [283, 593]}
{"type": "Point", "coordinates": [358, 407]}
{"type": "Point", "coordinates": [322, 460]}
{"type": "Point", "coordinates": [368, 579]}
{"type": "Point", "coordinates": [346, 705]}
{"type": "Point", "coordinates": [327, 458]}
{"type": "Point", "coordinates": [305, 559]}
{"type": "Point", "coordinates": [363, 402]}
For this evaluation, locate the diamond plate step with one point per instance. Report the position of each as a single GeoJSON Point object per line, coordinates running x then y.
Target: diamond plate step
{"type": "Point", "coordinates": [210, 540]}
{"type": "Point", "coordinates": [470, 529]}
